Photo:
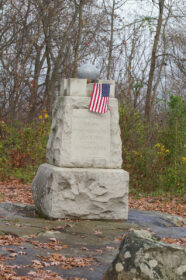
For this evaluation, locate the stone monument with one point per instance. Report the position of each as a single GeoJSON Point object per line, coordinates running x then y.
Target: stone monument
{"type": "Point", "coordinates": [82, 177]}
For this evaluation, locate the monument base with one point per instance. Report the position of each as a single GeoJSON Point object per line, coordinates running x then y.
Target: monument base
{"type": "Point", "coordinates": [81, 193]}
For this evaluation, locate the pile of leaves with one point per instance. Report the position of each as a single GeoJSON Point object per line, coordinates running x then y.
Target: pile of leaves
{"type": "Point", "coordinates": [7, 272]}
{"type": "Point", "coordinates": [40, 267]}
{"type": "Point", "coordinates": [172, 206]}
{"type": "Point", "coordinates": [170, 240]}
{"type": "Point", "coordinates": [15, 191]}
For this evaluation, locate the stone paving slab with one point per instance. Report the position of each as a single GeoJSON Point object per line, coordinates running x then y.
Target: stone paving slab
{"type": "Point", "coordinates": [99, 240]}
{"type": "Point", "coordinates": [164, 225]}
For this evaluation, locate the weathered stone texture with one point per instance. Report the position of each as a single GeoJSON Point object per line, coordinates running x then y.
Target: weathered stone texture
{"type": "Point", "coordinates": [80, 138]}
{"type": "Point", "coordinates": [83, 176]}
{"type": "Point", "coordinates": [88, 71]}
{"type": "Point", "coordinates": [143, 257]}
{"type": "Point", "coordinates": [79, 87]}
{"type": "Point", "coordinates": [81, 193]}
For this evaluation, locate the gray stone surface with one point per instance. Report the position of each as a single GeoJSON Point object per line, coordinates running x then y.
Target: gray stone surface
{"type": "Point", "coordinates": [80, 138]}
{"type": "Point", "coordinates": [76, 87]}
{"type": "Point", "coordinates": [83, 176]}
{"type": "Point", "coordinates": [80, 236]}
{"type": "Point", "coordinates": [88, 71]}
{"type": "Point", "coordinates": [80, 87]}
{"type": "Point", "coordinates": [110, 82]}
{"type": "Point", "coordinates": [84, 193]}
{"type": "Point", "coordinates": [164, 225]}
{"type": "Point", "coordinates": [141, 256]}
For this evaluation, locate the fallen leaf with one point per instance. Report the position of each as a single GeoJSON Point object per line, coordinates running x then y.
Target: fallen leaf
{"type": "Point", "coordinates": [84, 248]}
{"type": "Point", "coordinates": [99, 251]}
{"type": "Point", "coordinates": [109, 248]}
{"type": "Point", "coordinates": [13, 255]}
{"type": "Point", "coordinates": [53, 239]}
{"type": "Point", "coordinates": [98, 232]}
{"type": "Point", "coordinates": [91, 268]}
{"type": "Point", "coordinates": [33, 273]}
{"type": "Point", "coordinates": [22, 253]}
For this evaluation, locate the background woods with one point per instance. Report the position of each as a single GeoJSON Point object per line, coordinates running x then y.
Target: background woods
{"type": "Point", "coordinates": [139, 43]}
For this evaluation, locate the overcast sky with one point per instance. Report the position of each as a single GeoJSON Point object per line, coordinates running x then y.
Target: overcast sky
{"type": "Point", "coordinates": [139, 8]}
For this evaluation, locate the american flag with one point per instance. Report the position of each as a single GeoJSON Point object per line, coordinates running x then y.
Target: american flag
{"type": "Point", "coordinates": [100, 98]}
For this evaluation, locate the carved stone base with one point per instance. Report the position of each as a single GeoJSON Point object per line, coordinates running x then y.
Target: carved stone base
{"type": "Point", "coordinates": [85, 193]}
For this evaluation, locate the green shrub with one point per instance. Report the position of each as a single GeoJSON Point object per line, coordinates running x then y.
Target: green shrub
{"type": "Point", "coordinates": [22, 149]}
{"type": "Point", "coordinates": [174, 137]}
{"type": "Point", "coordinates": [154, 154]}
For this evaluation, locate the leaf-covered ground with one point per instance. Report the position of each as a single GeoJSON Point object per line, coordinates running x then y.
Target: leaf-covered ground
{"type": "Point", "coordinates": [15, 191]}
{"type": "Point", "coordinates": [172, 206]}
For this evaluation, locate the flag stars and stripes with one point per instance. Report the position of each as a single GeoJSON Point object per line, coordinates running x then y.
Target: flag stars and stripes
{"type": "Point", "coordinates": [100, 98]}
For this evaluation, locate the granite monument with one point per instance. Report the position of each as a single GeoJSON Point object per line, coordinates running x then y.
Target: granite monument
{"type": "Point", "coordinates": [82, 177]}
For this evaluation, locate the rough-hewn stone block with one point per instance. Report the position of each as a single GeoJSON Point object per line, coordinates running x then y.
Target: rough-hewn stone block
{"type": "Point", "coordinates": [142, 256]}
{"type": "Point", "coordinates": [80, 138]}
{"type": "Point", "coordinates": [83, 176]}
{"type": "Point", "coordinates": [84, 193]}
{"type": "Point", "coordinates": [79, 87]}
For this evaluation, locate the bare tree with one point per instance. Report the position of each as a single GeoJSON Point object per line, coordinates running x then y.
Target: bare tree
{"type": "Point", "coordinates": [42, 41]}
{"type": "Point", "coordinates": [79, 7]}
{"type": "Point", "coordinates": [153, 60]}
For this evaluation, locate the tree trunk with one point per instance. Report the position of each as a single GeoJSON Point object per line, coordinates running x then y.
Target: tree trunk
{"type": "Point", "coordinates": [77, 44]}
{"type": "Point", "coordinates": [153, 60]}
{"type": "Point", "coordinates": [111, 41]}
{"type": "Point", "coordinates": [57, 65]}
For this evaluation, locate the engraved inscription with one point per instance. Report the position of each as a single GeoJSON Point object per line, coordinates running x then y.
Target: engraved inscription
{"type": "Point", "coordinates": [90, 135]}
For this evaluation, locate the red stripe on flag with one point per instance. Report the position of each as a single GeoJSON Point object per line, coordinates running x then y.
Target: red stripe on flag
{"type": "Point", "coordinates": [96, 95]}
{"type": "Point", "coordinates": [98, 103]}
{"type": "Point", "coordinates": [106, 104]}
{"type": "Point", "coordinates": [101, 105]}
{"type": "Point", "coordinates": [90, 105]}
{"type": "Point", "coordinates": [98, 98]}
{"type": "Point", "coordinates": [93, 97]}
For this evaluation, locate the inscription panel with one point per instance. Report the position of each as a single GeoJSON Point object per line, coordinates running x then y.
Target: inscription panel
{"type": "Point", "coordinates": [90, 136]}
